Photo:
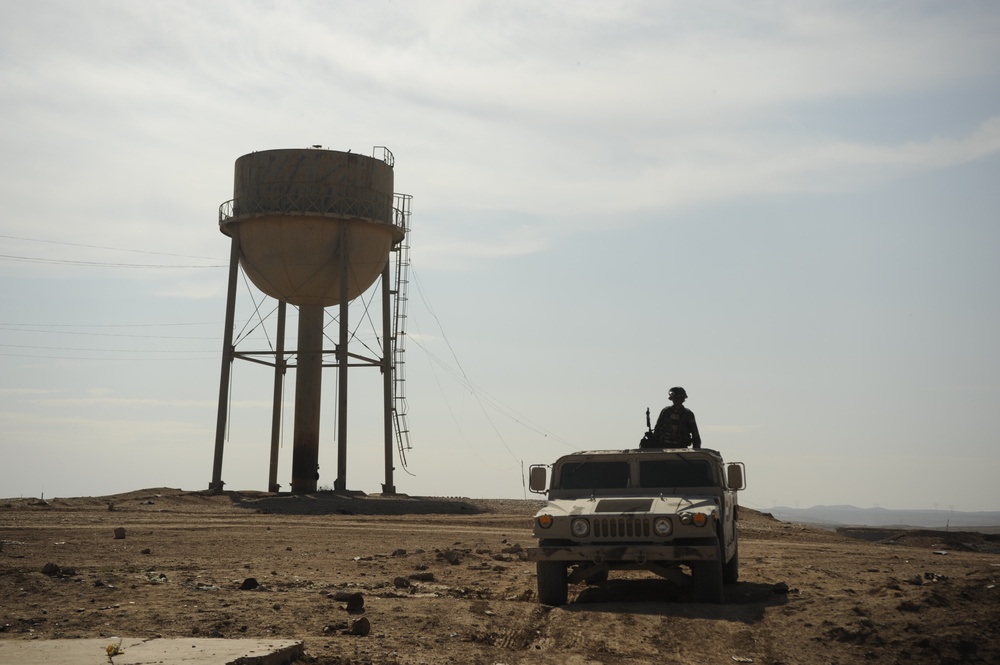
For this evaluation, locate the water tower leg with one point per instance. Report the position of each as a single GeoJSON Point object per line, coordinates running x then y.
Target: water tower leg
{"type": "Point", "coordinates": [227, 364]}
{"type": "Point", "coordinates": [279, 380]}
{"type": "Point", "coordinates": [308, 383]}
{"type": "Point", "coordinates": [341, 482]}
{"type": "Point", "coordinates": [387, 378]}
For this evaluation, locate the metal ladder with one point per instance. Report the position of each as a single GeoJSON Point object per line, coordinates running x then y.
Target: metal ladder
{"type": "Point", "coordinates": [402, 250]}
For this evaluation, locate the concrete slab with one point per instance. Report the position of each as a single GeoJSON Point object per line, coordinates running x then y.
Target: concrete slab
{"type": "Point", "coordinates": [157, 651]}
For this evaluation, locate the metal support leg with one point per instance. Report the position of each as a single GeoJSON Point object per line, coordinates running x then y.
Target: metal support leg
{"type": "Point", "coordinates": [227, 361]}
{"type": "Point", "coordinates": [341, 482]}
{"type": "Point", "coordinates": [279, 380]}
{"type": "Point", "coordinates": [388, 374]}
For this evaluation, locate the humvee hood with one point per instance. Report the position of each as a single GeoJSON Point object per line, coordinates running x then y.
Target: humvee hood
{"type": "Point", "coordinates": [608, 506]}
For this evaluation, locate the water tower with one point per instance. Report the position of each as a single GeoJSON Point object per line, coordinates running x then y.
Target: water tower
{"type": "Point", "coordinates": [315, 228]}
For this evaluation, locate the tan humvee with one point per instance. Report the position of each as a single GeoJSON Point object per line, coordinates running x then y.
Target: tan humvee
{"type": "Point", "coordinates": [650, 509]}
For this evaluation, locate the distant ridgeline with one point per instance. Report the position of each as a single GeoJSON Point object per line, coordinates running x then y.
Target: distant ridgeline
{"type": "Point", "coordinates": [834, 516]}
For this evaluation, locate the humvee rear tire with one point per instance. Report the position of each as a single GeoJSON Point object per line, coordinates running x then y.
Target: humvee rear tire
{"type": "Point", "coordinates": [707, 577]}
{"type": "Point", "coordinates": [731, 571]}
{"type": "Point", "coordinates": [553, 586]}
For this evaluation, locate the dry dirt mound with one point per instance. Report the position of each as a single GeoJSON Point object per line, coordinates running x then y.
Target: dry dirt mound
{"type": "Point", "coordinates": [438, 580]}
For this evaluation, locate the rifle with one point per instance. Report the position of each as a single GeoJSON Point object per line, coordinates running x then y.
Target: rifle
{"type": "Point", "coordinates": [647, 438]}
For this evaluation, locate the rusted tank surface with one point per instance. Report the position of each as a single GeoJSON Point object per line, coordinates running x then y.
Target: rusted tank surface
{"type": "Point", "coordinates": [301, 213]}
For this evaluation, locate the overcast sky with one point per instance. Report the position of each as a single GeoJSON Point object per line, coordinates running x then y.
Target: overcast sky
{"type": "Point", "coordinates": [790, 209]}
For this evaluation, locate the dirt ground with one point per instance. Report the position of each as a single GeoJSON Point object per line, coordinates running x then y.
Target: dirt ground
{"type": "Point", "coordinates": [445, 580]}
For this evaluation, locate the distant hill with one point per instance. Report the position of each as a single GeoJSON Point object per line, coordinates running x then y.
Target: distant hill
{"type": "Point", "coordinates": [834, 516]}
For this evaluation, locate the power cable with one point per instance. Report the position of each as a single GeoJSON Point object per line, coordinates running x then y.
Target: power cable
{"type": "Point", "coordinates": [103, 264]}
{"type": "Point", "coordinates": [115, 249]}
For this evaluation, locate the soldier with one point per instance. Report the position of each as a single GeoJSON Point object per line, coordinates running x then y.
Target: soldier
{"type": "Point", "coordinates": [676, 427]}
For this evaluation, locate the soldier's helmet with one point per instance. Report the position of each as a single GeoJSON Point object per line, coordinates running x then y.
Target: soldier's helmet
{"type": "Point", "coordinates": [678, 392]}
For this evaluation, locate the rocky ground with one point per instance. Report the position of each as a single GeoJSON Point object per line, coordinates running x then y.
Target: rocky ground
{"type": "Point", "coordinates": [419, 580]}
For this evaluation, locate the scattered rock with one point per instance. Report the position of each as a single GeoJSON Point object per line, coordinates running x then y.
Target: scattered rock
{"type": "Point", "coordinates": [120, 533]}
{"type": "Point", "coordinates": [361, 627]}
{"type": "Point", "coordinates": [249, 584]}
{"type": "Point", "coordinates": [146, 551]}
{"type": "Point", "coordinates": [780, 588]}
{"type": "Point", "coordinates": [422, 577]}
{"type": "Point", "coordinates": [399, 552]}
{"type": "Point", "coordinates": [513, 549]}
{"type": "Point", "coordinates": [355, 603]}
{"type": "Point", "coordinates": [50, 569]}
{"type": "Point", "coordinates": [401, 582]}
{"type": "Point", "coordinates": [915, 580]}
{"type": "Point", "coordinates": [451, 556]}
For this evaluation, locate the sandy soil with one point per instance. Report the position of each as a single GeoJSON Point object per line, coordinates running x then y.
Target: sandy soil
{"type": "Point", "coordinates": [445, 580]}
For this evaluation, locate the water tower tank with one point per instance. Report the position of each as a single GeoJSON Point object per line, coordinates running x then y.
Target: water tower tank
{"type": "Point", "coordinates": [291, 209]}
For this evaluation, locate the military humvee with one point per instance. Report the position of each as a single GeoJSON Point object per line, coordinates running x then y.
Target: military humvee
{"type": "Point", "coordinates": [650, 509]}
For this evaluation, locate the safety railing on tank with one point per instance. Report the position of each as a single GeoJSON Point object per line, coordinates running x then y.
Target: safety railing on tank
{"type": "Point", "coordinates": [302, 204]}
{"type": "Point", "coordinates": [384, 154]}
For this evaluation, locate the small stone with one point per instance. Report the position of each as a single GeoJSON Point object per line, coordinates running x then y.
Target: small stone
{"type": "Point", "coordinates": [120, 533]}
{"type": "Point", "coordinates": [249, 584]}
{"type": "Point", "coordinates": [146, 551]}
{"type": "Point", "coordinates": [780, 588]}
{"type": "Point", "coordinates": [399, 552]}
{"type": "Point", "coordinates": [422, 577]}
{"type": "Point", "coordinates": [361, 627]}
{"type": "Point", "coordinates": [400, 582]}
{"type": "Point", "coordinates": [50, 569]}
{"type": "Point", "coordinates": [356, 603]}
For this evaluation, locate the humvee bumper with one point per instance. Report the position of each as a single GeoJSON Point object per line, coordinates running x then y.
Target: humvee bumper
{"type": "Point", "coordinates": [625, 553]}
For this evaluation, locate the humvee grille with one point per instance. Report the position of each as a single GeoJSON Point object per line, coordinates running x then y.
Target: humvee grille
{"type": "Point", "coordinates": [621, 527]}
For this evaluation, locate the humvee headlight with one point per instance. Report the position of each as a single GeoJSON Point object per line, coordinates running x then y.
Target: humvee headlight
{"type": "Point", "coordinates": [699, 519]}
{"type": "Point", "coordinates": [663, 527]}
{"type": "Point", "coordinates": [579, 527]}
{"type": "Point", "coordinates": [544, 521]}
{"type": "Point", "coordinates": [686, 518]}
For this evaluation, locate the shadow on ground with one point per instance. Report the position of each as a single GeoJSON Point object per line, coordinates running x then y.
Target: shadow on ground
{"type": "Point", "coordinates": [745, 601]}
{"type": "Point", "coordinates": [335, 503]}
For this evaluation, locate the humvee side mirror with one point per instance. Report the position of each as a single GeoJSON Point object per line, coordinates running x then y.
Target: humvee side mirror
{"type": "Point", "coordinates": [536, 479]}
{"type": "Point", "coordinates": [734, 476]}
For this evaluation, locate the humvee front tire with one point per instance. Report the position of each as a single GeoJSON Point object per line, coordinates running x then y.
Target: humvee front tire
{"type": "Point", "coordinates": [731, 571]}
{"type": "Point", "coordinates": [707, 577]}
{"type": "Point", "coordinates": [553, 585]}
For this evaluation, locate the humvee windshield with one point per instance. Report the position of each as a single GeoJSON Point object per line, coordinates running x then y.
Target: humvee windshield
{"type": "Point", "coordinates": [675, 473]}
{"type": "Point", "coordinates": [594, 476]}
{"type": "Point", "coordinates": [597, 475]}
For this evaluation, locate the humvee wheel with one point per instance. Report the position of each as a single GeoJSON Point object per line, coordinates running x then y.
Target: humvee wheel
{"type": "Point", "coordinates": [707, 576]}
{"type": "Point", "coordinates": [553, 585]}
{"type": "Point", "coordinates": [731, 571]}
